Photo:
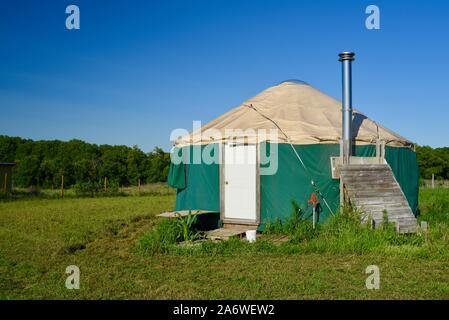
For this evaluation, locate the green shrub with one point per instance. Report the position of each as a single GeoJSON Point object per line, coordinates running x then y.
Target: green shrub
{"type": "Point", "coordinates": [186, 226]}
{"type": "Point", "coordinates": [92, 188]}
{"type": "Point", "coordinates": [167, 233]}
{"type": "Point", "coordinates": [86, 188]}
{"type": "Point", "coordinates": [297, 223]}
{"type": "Point", "coordinates": [113, 187]}
{"type": "Point", "coordinates": [275, 227]}
{"type": "Point", "coordinates": [162, 238]}
{"type": "Point", "coordinates": [434, 205]}
{"type": "Point", "coordinates": [303, 231]}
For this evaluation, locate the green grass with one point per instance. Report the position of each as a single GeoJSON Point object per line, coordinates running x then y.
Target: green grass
{"type": "Point", "coordinates": [342, 234]}
{"type": "Point", "coordinates": [154, 189]}
{"type": "Point", "coordinates": [110, 239]}
{"type": "Point", "coordinates": [434, 205]}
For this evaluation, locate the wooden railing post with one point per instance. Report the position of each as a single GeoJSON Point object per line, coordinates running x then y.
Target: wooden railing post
{"type": "Point", "coordinates": [378, 155]}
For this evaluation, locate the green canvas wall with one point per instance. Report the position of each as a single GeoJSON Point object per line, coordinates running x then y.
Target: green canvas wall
{"type": "Point", "coordinates": [293, 183]}
{"type": "Point", "coordinates": [198, 184]}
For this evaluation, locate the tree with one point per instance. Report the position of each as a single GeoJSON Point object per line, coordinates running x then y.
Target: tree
{"type": "Point", "coordinates": [433, 161]}
{"type": "Point", "coordinates": [158, 165]}
{"type": "Point", "coordinates": [135, 165]}
{"type": "Point", "coordinates": [43, 162]}
{"type": "Point", "coordinates": [114, 161]}
{"type": "Point", "coordinates": [27, 172]}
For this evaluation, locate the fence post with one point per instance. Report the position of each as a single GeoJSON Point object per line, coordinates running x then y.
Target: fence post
{"type": "Point", "coordinates": [138, 184]}
{"type": "Point", "coordinates": [62, 186]}
{"type": "Point", "coordinates": [6, 182]}
{"type": "Point", "coordinates": [105, 184]}
{"type": "Point", "coordinates": [433, 181]}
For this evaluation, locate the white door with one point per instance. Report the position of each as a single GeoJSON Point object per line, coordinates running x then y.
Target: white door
{"type": "Point", "coordinates": [240, 182]}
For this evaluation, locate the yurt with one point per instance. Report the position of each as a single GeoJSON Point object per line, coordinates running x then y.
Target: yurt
{"type": "Point", "coordinates": [273, 154]}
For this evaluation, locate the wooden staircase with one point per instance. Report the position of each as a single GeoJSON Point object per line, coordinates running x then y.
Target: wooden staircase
{"type": "Point", "coordinates": [373, 189]}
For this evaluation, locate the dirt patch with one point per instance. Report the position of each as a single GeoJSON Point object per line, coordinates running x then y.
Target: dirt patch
{"type": "Point", "coordinates": [72, 248]}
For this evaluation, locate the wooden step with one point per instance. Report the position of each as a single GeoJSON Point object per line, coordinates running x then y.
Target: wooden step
{"type": "Point", "coordinates": [377, 199]}
{"type": "Point", "coordinates": [372, 174]}
{"type": "Point", "coordinates": [365, 167]}
{"type": "Point", "coordinates": [408, 228]}
{"type": "Point", "coordinates": [373, 190]}
{"type": "Point", "coordinates": [225, 233]}
{"type": "Point", "coordinates": [395, 197]}
{"type": "Point", "coordinates": [380, 207]}
{"type": "Point", "coordinates": [358, 173]}
{"type": "Point", "coordinates": [240, 226]}
{"type": "Point", "coordinates": [363, 185]}
{"type": "Point", "coordinates": [386, 206]}
{"type": "Point", "coordinates": [404, 219]}
{"type": "Point", "coordinates": [368, 180]}
{"type": "Point", "coordinates": [391, 215]}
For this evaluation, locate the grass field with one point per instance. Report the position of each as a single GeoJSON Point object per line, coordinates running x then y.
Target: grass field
{"type": "Point", "coordinates": [40, 237]}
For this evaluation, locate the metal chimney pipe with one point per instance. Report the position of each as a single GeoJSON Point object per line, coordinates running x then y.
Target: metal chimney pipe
{"type": "Point", "coordinates": [346, 58]}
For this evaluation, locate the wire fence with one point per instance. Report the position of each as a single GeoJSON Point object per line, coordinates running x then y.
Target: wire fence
{"type": "Point", "coordinates": [437, 183]}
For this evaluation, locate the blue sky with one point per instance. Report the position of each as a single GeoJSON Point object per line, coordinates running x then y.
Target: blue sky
{"type": "Point", "coordinates": [138, 69]}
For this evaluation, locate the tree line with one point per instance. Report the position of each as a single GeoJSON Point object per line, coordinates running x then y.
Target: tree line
{"type": "Point", "coordinates": [42, 163]}
{"type": "Point", "coordinates": [433, 161]}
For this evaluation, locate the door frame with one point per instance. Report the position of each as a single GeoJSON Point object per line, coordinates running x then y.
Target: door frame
{"type": "Point", "coordinates": [222, 187]}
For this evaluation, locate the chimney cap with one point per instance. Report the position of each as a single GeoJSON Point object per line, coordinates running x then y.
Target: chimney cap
{"type": "Point", "coordinates": [346, 56]}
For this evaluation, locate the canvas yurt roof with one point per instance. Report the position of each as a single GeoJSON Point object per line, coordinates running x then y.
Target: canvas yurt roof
{"type": "Point", "coordinates": [298, 113]}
